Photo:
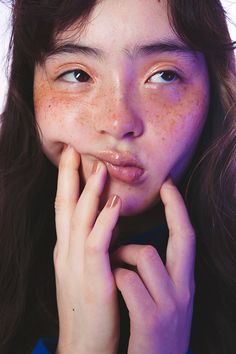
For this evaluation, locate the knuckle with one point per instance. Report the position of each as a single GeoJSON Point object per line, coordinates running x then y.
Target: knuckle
{"type": "Point", "coordinates": [62, 202]}
{"type": "Point", "coordinates": [192, 237]}
{"type": "Point", "coordinates": [55, 255]}
{"type": "Point", "coordinates": [172, 307]}
{"type": "Point", "coordinates": [151, 321]}
{"type": "Point", "coordinates": [187, 296]}
{"type": "Point", "coordinates": [190, 231]}
{"type": "Point", "coordinates": [57, 261]}
{"type": "Point", "coordinates": [146, 253]}
{"type": "Point", "coordinates": [92, 248]}
{"type": "Point", "coordinates": [130, 277]}
{"type": "Point", "coordinates": [101, 222]}
{"type": "Point", "coordinates": [59, 203]}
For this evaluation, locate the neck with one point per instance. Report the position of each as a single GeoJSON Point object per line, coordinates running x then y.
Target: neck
{"type": "Point", "coordinates": [141, 223]}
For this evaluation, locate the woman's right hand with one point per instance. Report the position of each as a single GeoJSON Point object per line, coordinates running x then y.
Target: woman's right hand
{"type": "Point", "coordinates": [86, 290]}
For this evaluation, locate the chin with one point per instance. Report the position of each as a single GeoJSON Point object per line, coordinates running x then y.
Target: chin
{"type": "Point", "coordinates": [131, 204]}
{"type": "Point", "coordinates": [138, 207]}
{"type": "Point", "coordinates": [132, 208]}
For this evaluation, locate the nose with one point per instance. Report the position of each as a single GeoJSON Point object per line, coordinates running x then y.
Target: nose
{"type": "Point", "coordinates": [120, 119]}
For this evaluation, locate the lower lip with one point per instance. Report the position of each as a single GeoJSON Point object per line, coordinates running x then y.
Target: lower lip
{"type": "Point", "coordinates": [127, 174]}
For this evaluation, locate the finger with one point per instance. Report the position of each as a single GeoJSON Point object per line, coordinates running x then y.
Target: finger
{"type": "Point", "coordinates": [150, 268]}
{"type": "Point", "coordinates": [67, 195]}
{"type": "Point", "coordinates": [180, 256]}
{"type": "Point", "coordinates": [87, 206]}
{"type": "Point", "coordinates": [86, 210]}
{"type": "Point", "coordinates": [136, 296]}
{"type": "Point", "coordinates": [97, 258]}
{"type": "Point", "coordinates": [101, 234]}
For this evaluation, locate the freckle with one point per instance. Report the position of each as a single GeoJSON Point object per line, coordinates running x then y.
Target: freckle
{"type": "Point", "coordinates": [173, 122]}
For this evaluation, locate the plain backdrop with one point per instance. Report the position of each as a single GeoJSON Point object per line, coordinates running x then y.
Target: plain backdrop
{"type": "Point", "coordinates": [230, 7]}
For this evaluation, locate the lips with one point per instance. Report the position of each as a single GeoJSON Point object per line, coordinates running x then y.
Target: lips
{"type": "Point", "coordinates": [122, 166]}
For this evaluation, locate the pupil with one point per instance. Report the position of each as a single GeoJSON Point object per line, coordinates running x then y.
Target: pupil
{"type": "Point", "coordinates": [82, 76]}
{"type": "Point", "coordinates": [168, 75]}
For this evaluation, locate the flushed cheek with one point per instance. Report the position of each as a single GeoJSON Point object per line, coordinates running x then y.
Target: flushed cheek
{"type": "Point", "coordinates": [174, 131]}
{"type": "Point", "coordinates": [170, 116]}
{"type": "Point", "coordinates": [61, 118]}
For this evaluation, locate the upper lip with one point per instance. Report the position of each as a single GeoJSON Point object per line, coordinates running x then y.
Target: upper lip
{"type": "Point", "coordinates": [118, 158]}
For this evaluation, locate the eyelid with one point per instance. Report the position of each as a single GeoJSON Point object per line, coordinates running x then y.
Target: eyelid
{"type": "Point", "coordinates": [179, 74]}
{"type": "Point", "coordinates": [175, 71]}
{"type": "Point", "coordinates": [65, 72]}
{"type": "Point", "coordinates": [71, 71]}
{"type": "Point", "coordinates": [68, 67]}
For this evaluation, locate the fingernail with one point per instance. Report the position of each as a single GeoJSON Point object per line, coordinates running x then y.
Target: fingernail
{"type": "Point", "coordinates": [67, 147]}
{"type": "Point", "coordinates": [112, 201]}
{"type": "Point", "coordinates": [96, 166]}
{"type": "Point", "coordinates": [169, 180]}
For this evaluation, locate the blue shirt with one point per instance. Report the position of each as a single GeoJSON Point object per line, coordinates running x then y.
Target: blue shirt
{"type": "Point", "coordinates": [45, 346]}
{"type": "Point", "coordinates": [49, 345]}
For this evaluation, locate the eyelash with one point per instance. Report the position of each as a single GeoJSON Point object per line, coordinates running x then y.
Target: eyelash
{"type": "Point", "coordinates": [73, 71]}
{"type": "Point", "coordinates": [159, 74]}
{"type": "Point", "coordinates": [173, 75]}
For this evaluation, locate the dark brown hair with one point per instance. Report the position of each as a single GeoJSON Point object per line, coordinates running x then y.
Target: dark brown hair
{"type": "Point", "coordinates": [28, 180]}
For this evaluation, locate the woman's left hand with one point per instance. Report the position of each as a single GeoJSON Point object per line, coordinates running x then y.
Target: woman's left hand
{"type": "Point", "coordinates": [160, 297]}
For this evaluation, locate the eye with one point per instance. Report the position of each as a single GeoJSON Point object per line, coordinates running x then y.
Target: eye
{"type": "Point", "coordinates": [76, 76]}
{"type": "Point", "coordinates": [164, 77]}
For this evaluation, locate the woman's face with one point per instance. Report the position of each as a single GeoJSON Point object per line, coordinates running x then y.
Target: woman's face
{"type": "Point", "coordinates": [125, 91]}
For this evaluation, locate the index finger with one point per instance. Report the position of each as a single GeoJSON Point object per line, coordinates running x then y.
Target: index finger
{"type": "Point", "coordinates": [180, 256]}
{"type": "Point", "coordinates": [67, 194]}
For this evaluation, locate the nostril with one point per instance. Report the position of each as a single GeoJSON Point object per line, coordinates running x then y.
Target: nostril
{"type": "Point", "coordinates": [127, 126]}
{"type": "Point", "coordinates": [102, 132]}
{"type": "Point", "coordinates": [129, 134]}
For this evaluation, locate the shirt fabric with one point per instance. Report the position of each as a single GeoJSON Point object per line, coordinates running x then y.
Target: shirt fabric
{"type": "Point", "coordinates": [48, 346]}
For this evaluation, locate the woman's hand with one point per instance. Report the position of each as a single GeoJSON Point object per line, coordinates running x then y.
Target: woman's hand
{"type": "Point", "coordinates": [160, 298]}
{"type": "Point", "coordinates": [86, 290]}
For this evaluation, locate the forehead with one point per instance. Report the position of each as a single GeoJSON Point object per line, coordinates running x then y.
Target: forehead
{"type": "Point", "coordinates": [118, 24]}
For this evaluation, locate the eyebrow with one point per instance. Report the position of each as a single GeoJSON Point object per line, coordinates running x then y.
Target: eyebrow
{"type": "Point", "coordinates": [139, 50]}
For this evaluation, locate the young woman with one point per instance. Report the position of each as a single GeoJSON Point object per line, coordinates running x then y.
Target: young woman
{"type": "Point", "coordinates": [110, 105]}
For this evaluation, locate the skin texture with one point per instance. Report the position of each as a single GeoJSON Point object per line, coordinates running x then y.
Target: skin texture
{"type": "Point", "coordinates": [120, 108]}
{"type": "Point", "coordinates": [159, 297]}
{"type": "Point", "coordinates": [125, 105]}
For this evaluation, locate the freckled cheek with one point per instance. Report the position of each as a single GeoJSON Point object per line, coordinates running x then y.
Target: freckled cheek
{"type": "Point", "coordinates": [61, 117]}
{"type": "Point", "coordinates": [169, 116]}
{"type": "Point", "coordinates": [173, 130]}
